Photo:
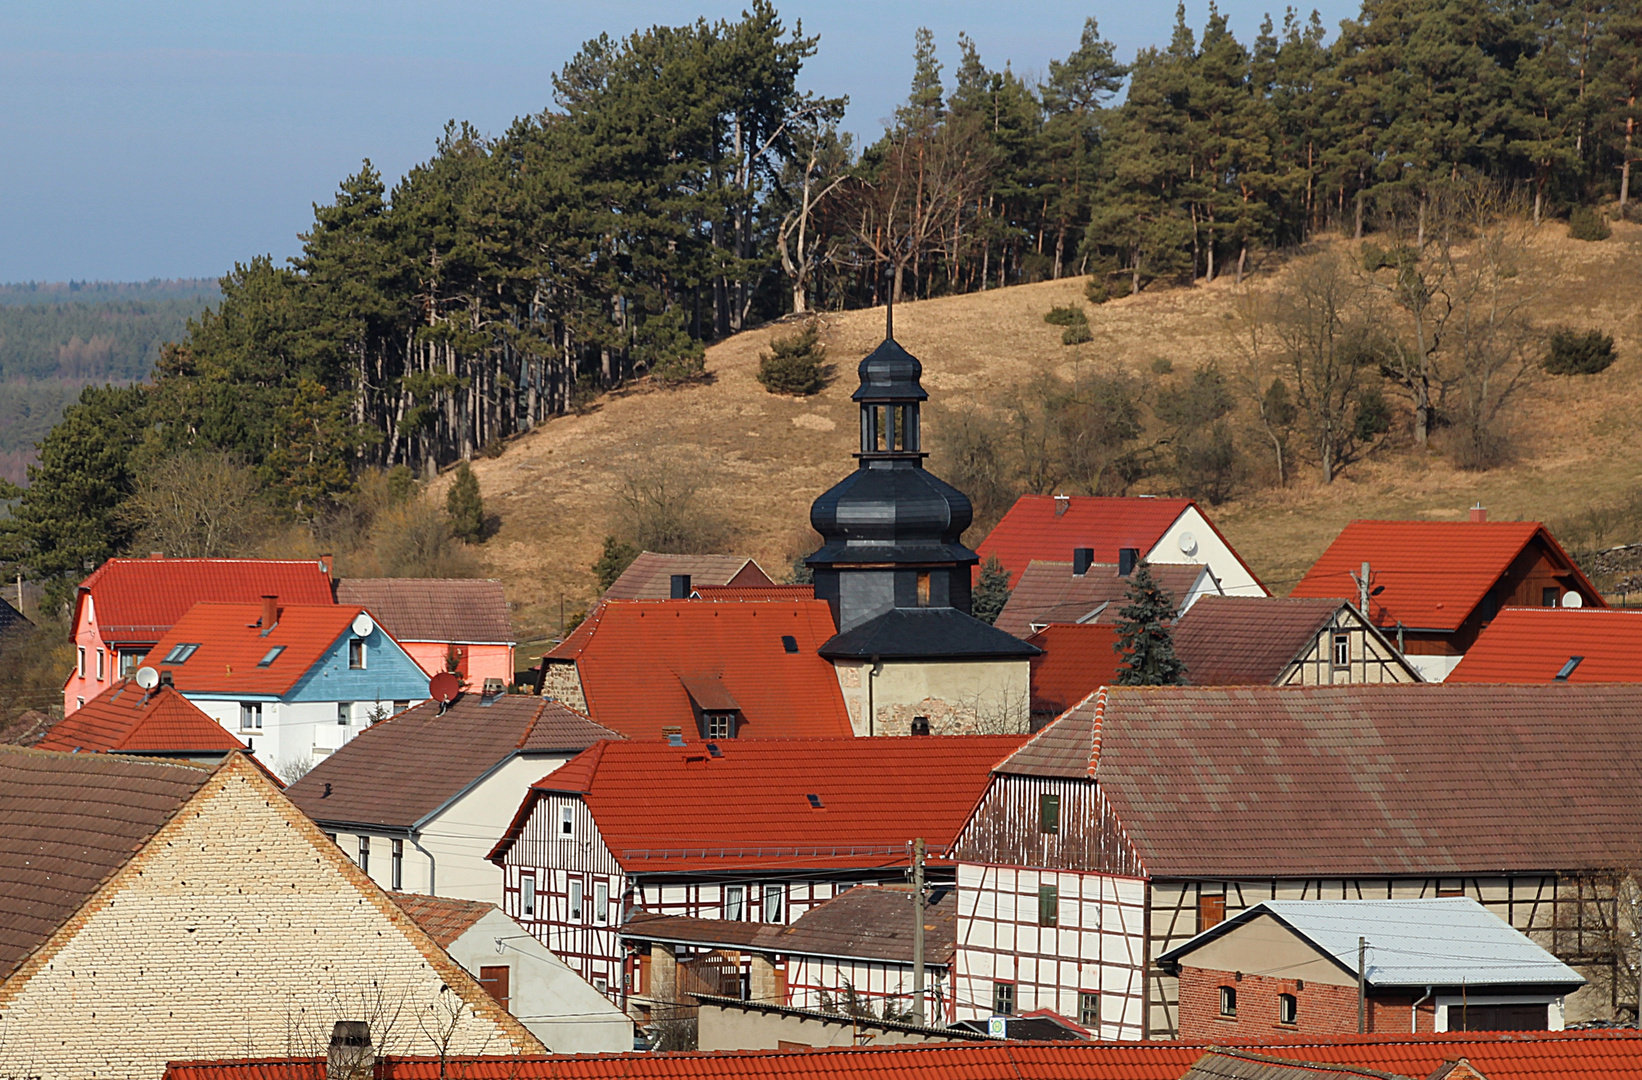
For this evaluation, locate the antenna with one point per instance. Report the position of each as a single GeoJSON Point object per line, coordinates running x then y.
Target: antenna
{"type": "Point", "coordinates": [147, 678]}
{"type": "Point", "coordinates": [889, 302]}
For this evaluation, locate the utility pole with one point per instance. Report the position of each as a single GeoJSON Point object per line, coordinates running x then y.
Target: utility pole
{"type": "Point", "coordinates": [918, 931]}
{"type": "Point", "coordinates": [1362, 953]}
{"type": "Point", "coordinates": [1362, 592]}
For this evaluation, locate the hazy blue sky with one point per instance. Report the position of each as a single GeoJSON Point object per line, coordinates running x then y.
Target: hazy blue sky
{"type": "Point", "coordinates": [164, 139]}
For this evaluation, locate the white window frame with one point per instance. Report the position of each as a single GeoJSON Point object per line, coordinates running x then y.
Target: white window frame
{"type": "Point", "coordinates": [100, 665]}
{"type": "Point", "coordinates": [774, 901]}
{"type": "Point", "coordinates": [250, 716]}
{"type": "Point", "coordinates": [127, 662]}
{"type": "Point", "coordinates": [365, 853]}
{"type": "Point", "coordinates": [344, 714]}
{"type": "Point", "coordinates": [735, 902]}
{"type": "Point", "coordinates": [1341, 643]}
{"type": "Point", "coordinates": [82, 662]}
{"type": "Point", "coordinates": [527, 896]}
{"type": "Point", "coordinates": [359, 644]}
{"type": "Point", "coordinates": [398, 871]}
{"type": "Point", "coordinates": [576, 909]}
{"type": "Point", "coordinates": [567, 821]}
{"type": "Point", "coordinates": [601, 902]}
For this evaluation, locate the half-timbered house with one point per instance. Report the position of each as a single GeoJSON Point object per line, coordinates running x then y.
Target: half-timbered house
{"type": "Point", "coordinates": [1147, 814]}
{"type": "Point", "coordinates": [1272, 641]}
{"type": "Point", "coordinates": [751, 832]}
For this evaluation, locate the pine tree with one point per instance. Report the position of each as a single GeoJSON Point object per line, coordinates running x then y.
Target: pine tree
{"type": "Point", "coordinates": [465, 506]}
{"type": "Point", "coordinates": [616, 557]}
{"type": "Point", "coordinates": [1144, 637]}
{"type": "Point", "coordinates": [795, 364]}
{"type": "Point", "coordinates": [991, 592]}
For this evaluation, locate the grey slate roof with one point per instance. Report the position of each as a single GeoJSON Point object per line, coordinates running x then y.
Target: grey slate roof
{"type": "Point", "coordinates": [927, 633]}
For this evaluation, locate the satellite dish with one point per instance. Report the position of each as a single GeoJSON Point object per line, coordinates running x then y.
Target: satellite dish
{"type": "Point", "coordinates": [147, 678]}
{"type": "Point", "coordinates": [1572, 599]}
{"type": "Point", "coordinates": [444, 687]}
{"type": "Point", "coordinates": [1188, 544]}
{"type": "Point", "coordinates": [362, 625]}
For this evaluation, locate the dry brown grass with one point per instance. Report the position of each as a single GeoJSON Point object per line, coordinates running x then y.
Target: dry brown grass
{"type": "Point", "coordinates": [767, 457]}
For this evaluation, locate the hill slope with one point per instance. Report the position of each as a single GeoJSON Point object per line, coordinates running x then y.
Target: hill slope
{"type": "Point", "coordinates": [767, 457]}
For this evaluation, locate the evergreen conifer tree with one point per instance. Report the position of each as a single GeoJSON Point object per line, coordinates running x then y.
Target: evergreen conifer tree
{"type": "Point", "coordinates": [991, 592]}
{"type": "Point", "coordinates": [1144, 637]}
{"type": "Point", "coordinates": [465, 506]}
{"type": "Point", "coordinates": [616, 557]}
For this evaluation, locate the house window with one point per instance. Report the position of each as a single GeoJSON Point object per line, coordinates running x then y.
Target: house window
{"type": "Point", "coordinates": [400, 706]}
{"type": "Point", "coordinates": [356, 654]}
{"type": "Point", "coordinates": [789, 643]}
{"type": "Point", "coordinates": [601, 902]}
{"type": "Point", "coordinates": [1211, 911]}
{"type": "Point", "coordinates": [773, 895]}
{"type": "Point", "coordinates": [79, 703]}
{"type": "Point", "coordinates": [250, 716]}
{"type": "Point", "coordinates": [1342, 650]}
{"type": "Point", "coordinates": [601, 984]}
{"type": "Point", "coordinates": [179, 654]}
{"type": "Point", "coordinates": [527, 895]}
{"type": "Point", "coordinates": [1003, 999]}
{"type": "Point", "coordinates": [81, 664]}
{"type": "Point", "coordinates": [129, 662]}
{"type": "Point", "coordinates": [495, 981]}
{"type": "Point", "coordinates": [1048, 905]}
{"type": "Point", "coordinates": [99, 665]}
{"type": "Point", "coordinates": [1089, 1010]}
{"type": "Point", "coordinates": [735, 902]}
{"type": "Point", "coordinates": [576, 900]}
{"type": "Point", "coordinates": [270, 656]}
{"type": "Point", "coordinates": [398, 864]}
{"type": "Point", "coordinates": [1288, 1009]}
{"type": "Point", "coordinates": [1550, 596]}
{"type": "Point", "coordinates": [1228, 1001]}
{"type": "Point", "coordinates": [567, 821]}
{"type": "Point", "coordinates": [344, 712]}
{"type": "Point", "coordinates": [718, 725]}
{"type": "Point", "coordinates": [1049, 813]}
{"type": "Point", "coordinates": [365, 854]}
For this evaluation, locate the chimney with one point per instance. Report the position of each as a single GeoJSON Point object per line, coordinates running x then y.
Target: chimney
{"type": "Point", "coordinates": [350, 1055]}
{"type": "Point", "coordinates": [1082, 559]}
{"type": "Point", "coordinates": [325, 560]}
{"type": "Point", "coordinates": [270, 613]}
{"type": "Point", "coordinates": [165, 678]}
{"type": "Point", "coordinates": [1126, 559]}
{"type": "Point", "coordinates": [681, 587]}
{"type": "Point", "coordinates": [920, 725]}
{"type": "Point", "coordinates": [156, 554]}
{"type": "Point", "coordinates": [1479, 513]}
{"type": "Point", "coordinates": [1061, 503]}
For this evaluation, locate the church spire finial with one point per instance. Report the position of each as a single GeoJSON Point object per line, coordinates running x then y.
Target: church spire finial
{"type": "Point", "coordinates": [889, 303]}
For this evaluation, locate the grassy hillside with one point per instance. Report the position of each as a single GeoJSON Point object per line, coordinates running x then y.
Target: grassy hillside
{"type": "Point", "coordinates": [766, 457]}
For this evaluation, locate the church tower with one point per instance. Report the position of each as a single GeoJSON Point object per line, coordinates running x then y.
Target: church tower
{"type": "Point", "coordinates": [896, 573]}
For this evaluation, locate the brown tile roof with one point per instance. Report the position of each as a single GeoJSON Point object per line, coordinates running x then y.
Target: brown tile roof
{"type": "Point", "coordinates": [1047, 592]}
{"type": "Point", "coordinates": [650, 577]}
{"type": "Point", "coordinates": [397, 772]}
{"type": "Point", "coordinates": [69, 822]}
{"type": "Point", "coordinates": [1231, 1064]}
{"type": "Point", "coordinates": [1359, 780]}
{"type": "Point", "coordinates": [442, 918]}
{"type": "Point", "coordinates": [432, 609]}
{"type": "Point", "coordinates": [1247, 640]}
{"type": "Point", "coordinates": [26, 728]}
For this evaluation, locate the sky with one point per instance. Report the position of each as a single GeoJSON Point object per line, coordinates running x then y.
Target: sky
{"type": "Point", "coordinates": [172, 139]}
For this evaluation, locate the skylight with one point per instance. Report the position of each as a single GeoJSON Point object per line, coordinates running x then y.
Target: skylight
{"type": "Point", "coordinates": [180, 653]}
{"type": "Point", "coordinates": [271, 656]}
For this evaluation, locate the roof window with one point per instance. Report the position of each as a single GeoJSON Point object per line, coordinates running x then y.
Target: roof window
{"type": "Point", "coordinates": [789, 643]}
{"type": "Point", "coordinates": [180, 653]}
{"type": "Point", "coordinates": [270, 656]}
{"type": "Point", "coordinates": [815, 801]}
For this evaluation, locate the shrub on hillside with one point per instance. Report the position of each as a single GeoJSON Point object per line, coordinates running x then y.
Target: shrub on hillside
{"type": "Point", "coordinates": [796, 364]}
{"type": "Point", "coordinates": [1575, 353]}
{"type": "Point", "coordinates": [1097, 290]}
{"type": "Point", "coordinates": [1585, 223]}
{"type": "Point", "coordinates": [1375, 257]}
{"type": "Point", "coordinates": [1065, 316]}
{"type": "Point", "coordinates": [465, 507]}
{"type": "Point", "coordinates": [1076, 334]}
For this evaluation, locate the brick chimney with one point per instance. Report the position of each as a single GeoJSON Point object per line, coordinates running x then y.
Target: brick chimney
{"type": "Point", "coordinates": [270, 613]}
{"type": "Point", "coordinates": [1062, 502]}
{"type": "Point", "coordinates": [1479, 513]}
{"type": "Point", "coordinates": [156, 554]}
{"type": "Point", "coordinates": [350, 1055]}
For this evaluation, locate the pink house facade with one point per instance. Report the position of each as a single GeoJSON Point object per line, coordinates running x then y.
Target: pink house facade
{"type": "Point", "coordinates": [444, 624]}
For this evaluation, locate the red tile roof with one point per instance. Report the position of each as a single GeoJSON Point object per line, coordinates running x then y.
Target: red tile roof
{"type": "Point", "coordinates": [650, 576]}
{"type": "Point", "coordinates": [123, 719]}
{"type": "Point", "coordinates": [750, 807]}
{"type": "Point", "coordinates": [1504, 1055]}
{"type": "Point", "coordinates": [1048, 592]}
{"type": "Point", "coordinates": [1076, 659]}
{"type": "Point", "coordinates": [433, 609]}
{"type": "Point", "coordinates": [138, 600]}
{"type": "Point", "coordinates": [1434, 573]}
{"type": "Point", "coordinates": [442, 918]}
{"type": "Point", "coordinates": [1533, 644]}
{"type": "Point", "coordinates": [231, 644]}
{"type": "Point", "coordinates": [1349, 781]}
{"type": "Point", "coordinates": [635, 658]}
{"type": "Point", "coordinates": [754, 592]}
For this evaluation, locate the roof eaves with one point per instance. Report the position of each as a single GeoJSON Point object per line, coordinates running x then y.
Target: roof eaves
{"type": "Point", "coordinates": [456, 796]}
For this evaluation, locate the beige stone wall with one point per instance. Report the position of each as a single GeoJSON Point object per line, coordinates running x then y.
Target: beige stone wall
{"type": "Point", "coordinates": [239, 930]}
{"type": "Point", "coordinates": [562, 682]}
{"type": "Point", "coordinates": [959, 697]}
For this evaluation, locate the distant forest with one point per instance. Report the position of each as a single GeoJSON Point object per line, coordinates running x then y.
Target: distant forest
{"type": "Point", "coordinates": [681, 187]}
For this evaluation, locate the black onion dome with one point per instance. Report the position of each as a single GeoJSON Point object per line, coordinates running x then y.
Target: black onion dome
{"type": "Point", "coordinates": [890, 372]}
{"type": "Point", "coordinates": [892, 515]}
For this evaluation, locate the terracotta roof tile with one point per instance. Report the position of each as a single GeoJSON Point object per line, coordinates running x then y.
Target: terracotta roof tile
{"type": "Point", "coordinates": [1364, 780]}
{"type": "Point", "coordinates": [650, 576]}
{"type": "Point", "coordinates": [1248, 640]}
{"type": "Point", "coordinates": [1533, 644]}
{"type": "Point", "coordinates": [231, 646]}
{"type": "Point", "coordinates": [68, 822]}
{"type": "Point", "coordinates": [754, 592]}
{"type": "Point", "coordinates": [635, 656]}
{"type": "Point", "coordinates": [123, 719]}
{"type": "Point", "coordinates": [1048, 592]}
{"type": "Point", "coordinates": [750, 806]}
{"type": "Point", "coordinates": [138, 600]}
{"type": "Point", "coordinates": [1434, 573]}
{"type": "Point", "coordinates": [1077, 658]}
{"type": "Point", "coordinates": [382, 776]}
{"type": "Point", "coordinates": [442, 918]}
{"type": "Point", "coordinates": [433, 609]}
{"type": "Point", "coordinates": [1515, 1055]}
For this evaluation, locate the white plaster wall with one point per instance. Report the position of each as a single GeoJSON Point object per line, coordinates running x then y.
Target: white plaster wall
{"type": "Point", "coordinates": [291, 731]}
{"type": "Point", "coordinates": [558, 1006]}
{"type": "Point", "coordinates": [959, 697]}
{"type": "Point", "coordinates": [1433, 668]}
{"type": "Point", "coordinates": [1209, 550]}
{"type": "Point", "coordinates": [461, 837]}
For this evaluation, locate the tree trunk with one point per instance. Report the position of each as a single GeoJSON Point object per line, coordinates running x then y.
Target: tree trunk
{"type": "Point", "coordinates": [1358, 235]}
{"type": "Point", "coordinates": [1625, 165]}
{"type": "Point", "coordinates": [1242, 261]}
{"type": "Point", "coordinates": [1060, 248]}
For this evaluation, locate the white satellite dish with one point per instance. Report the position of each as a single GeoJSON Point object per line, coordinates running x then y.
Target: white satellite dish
{"type": "Point", "coordinates": [1572, 599]}
{"type": "Point", "coordinates": [362, 625]}
{"type": "Point", "coordinates": [1188, 544]}
{"type": "Point", "coordinates": [147, 678]}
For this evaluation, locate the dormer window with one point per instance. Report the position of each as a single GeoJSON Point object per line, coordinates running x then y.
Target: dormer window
{"type": "Point", "coordinates": [180, 653]}
{"type": "Point", "coordinates": [718, 725]}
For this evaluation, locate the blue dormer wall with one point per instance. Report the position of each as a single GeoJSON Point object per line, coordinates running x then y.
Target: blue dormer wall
{"type": "Point", "coordinates": [389, 674]}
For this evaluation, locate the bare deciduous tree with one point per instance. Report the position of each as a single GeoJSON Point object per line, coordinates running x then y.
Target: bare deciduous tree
{"type": "Point", "coordinates": [198, 505]}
